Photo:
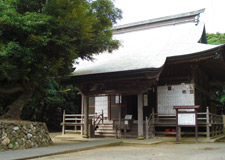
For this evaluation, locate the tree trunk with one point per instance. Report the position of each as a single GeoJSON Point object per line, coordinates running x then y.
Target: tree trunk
{"type": "Point", "coordinates": [17, 106]}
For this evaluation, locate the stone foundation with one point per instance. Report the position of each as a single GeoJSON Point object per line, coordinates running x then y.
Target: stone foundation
{"type": "Point", "coordinates": [23, 135]}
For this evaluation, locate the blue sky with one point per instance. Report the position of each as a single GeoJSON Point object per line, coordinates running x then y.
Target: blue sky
{"type": "Point", "coordinates": [137, 10]}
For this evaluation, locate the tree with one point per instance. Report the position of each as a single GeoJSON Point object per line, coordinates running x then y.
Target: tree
{"type": "Point", "coordinates": [218, 38]}
{"type": "Point", "coordinates": [48, 105]}
{"type": "Point", "coordinates": [43, 38]}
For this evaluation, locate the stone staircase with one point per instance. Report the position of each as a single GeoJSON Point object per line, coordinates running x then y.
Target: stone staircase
{"type": "Point", "coordinates": [106, 130]}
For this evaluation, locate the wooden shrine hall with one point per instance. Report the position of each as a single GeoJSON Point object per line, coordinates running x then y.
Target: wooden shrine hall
{"type": "Point", "coordinates": [161, 63]}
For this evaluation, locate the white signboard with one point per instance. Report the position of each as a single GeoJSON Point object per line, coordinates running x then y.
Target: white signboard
{"type": "Point", "coordinates": [128, 116]}
{"type": "Point", "coordinates": [186, 119]}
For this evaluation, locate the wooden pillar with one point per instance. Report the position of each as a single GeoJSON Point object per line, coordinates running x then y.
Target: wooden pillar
{"type": "Point", "coordinates": [86, 115]}
{"type": "Point", "coordinates": [109, 107]}
{"type": "Point", "coordinates": [207, 123]}
{"type": "Point", "coordinates": [82, 113]}
{"type": "Point", "coordinates": [82, 105]}
{"type": "Point", "coordinates": [119, 129]}
{"type": "Point", "coordinates": [146, 128]}
{"type": "Point", "coordinates": [140, 117]}
{"type": "Point", "coordinates": [63, 125]}
{"type": "Point", "coordinates": [153, 122]}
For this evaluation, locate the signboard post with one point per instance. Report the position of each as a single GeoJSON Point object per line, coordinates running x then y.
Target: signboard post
{"type": "Point", "coordinates": [186, 116]}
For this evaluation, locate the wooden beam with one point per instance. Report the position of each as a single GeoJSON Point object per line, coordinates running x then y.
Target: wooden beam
{"type": "Point", "coordinates": [117, 87]}
{"type": "Point", "coordinates": [174, 78]}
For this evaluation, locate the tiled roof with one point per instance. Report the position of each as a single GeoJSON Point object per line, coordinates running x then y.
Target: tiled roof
{"type": "Point", "coordinates": [147, 48]}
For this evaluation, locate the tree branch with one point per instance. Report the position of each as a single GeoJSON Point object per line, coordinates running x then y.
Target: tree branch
{"type": "Point", "coordinates": [11, 90]}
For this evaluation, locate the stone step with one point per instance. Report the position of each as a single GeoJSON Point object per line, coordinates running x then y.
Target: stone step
{"type": "Point", "coordinates": [102, 125]}
{"type": "Point", "coordinates": [108, 133]}
{"type": "Point", "coordinates": [105, 131]}
{"type": "Point", "coordinates": [104, 135]}
{"type": "Point", "coordinates": [105, 123]}
{"type": "Point", "coordinates": [105, 126]}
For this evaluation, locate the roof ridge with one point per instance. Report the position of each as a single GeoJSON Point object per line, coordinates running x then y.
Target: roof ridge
{"type": "Point", "coordinates": [160, 19]}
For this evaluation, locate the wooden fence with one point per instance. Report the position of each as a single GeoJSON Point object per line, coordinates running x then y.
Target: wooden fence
{"type": "Point", "coordinates": [76, 122]}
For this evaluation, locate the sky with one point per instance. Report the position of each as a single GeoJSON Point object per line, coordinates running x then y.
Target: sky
{"type": "Point", "coordinates": [138, 10]}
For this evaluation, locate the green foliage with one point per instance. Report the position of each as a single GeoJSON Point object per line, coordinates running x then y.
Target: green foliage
{"type": "Point", "coordinates": [218, 38]}
{"type": "Point", "coordinates": [48, 105]}
{"type": "Point", "coordinates": [41, 39]}
{"type": "Point", "coordinates": [222, 98]}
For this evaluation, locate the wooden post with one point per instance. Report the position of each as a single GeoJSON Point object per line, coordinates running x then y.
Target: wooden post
{"type": "Point", "coordinates": [207, 123]}
{"type": "Point", "coordinates": [153, 122]}
{"type": "Point", "coordinates": [94, 121]}
{"type": "Point", "coordinates": [119, 126]}
{"type": "Point", "coordinates": [196, 126]}
{"type": "Point", "coordinates": [116, 131]}
{"type": "Point", "coordinates": [146, 127]}
{"type": "Point", "coordinates": [140, 117]}
{"type": "Point", "coordinates": [109, 107]}
{"type": "Point", "coordinates": [85, 101]}
{"type": "Point", "coordinates": [63, 125]}
{"type": "Point", "coordinates": [81, 117]}
{"type": "Point", "coordinates": [125, 131]}
{"type": "Point", "coordinates": [177, 127]}
{"type": "Point", "coordinates": [179, 132]}
{"type": "Point", "coordinates": [102, 116]}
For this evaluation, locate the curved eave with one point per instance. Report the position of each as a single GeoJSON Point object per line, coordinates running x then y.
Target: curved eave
{"type": "Point", "coordinates": [149, 73]}
{"type": "Point", "coordinates": [210, 63]}
{"type": "Point", "coordinates": [198, 56]}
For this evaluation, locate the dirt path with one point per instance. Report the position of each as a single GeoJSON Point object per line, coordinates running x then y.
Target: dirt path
{"type": "Point", "coordinates": [170, 151]}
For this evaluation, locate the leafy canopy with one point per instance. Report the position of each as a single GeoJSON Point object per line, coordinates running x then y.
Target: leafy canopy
{"type": "Point", "coordinates": [218, 38]}
{"type": "Point", "coordinates": [43, 38]}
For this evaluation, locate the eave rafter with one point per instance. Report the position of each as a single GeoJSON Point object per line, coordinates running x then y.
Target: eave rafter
{"type": "Point", "coordinates": [132, 86]}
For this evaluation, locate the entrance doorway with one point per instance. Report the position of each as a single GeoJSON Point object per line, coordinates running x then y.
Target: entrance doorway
{"type": "Point", "coordinates": [123, 105]}
{"type": "Point", "coordinates": [130, 103]}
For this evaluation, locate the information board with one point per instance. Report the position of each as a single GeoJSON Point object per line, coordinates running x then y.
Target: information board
{"type": "Point", "coordinates": [186, 119]}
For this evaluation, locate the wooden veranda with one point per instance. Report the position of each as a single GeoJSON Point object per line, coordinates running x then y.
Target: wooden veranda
{"type": "Point", "coordinates": [209, 125]}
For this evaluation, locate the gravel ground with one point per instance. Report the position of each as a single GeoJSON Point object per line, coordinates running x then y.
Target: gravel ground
{"type": "Point", "coordinates": [169, 151]}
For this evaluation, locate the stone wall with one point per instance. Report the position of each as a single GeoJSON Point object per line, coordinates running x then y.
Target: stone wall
{"type": "Point", "coordinates": [23, 135]}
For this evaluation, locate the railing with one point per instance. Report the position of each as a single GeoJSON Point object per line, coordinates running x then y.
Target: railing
{"type": "Point", "coordinates": [149, 123]}
{"type": "Point", "coordinates": [97, 119]}
{"type": "Point", "coordinates": [212, 122]}
{"type": "Point", "coordinates": [77, 120]}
